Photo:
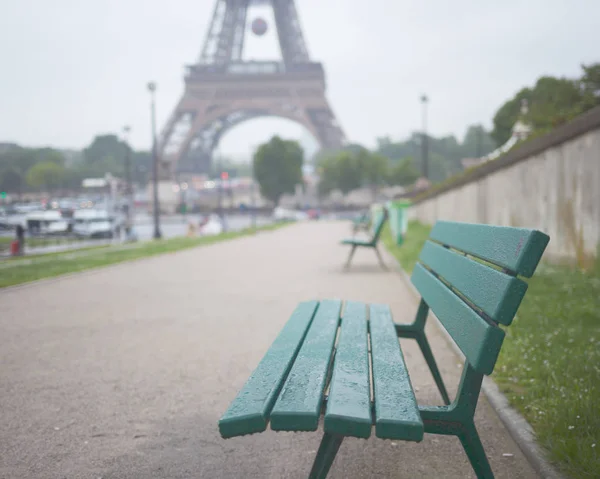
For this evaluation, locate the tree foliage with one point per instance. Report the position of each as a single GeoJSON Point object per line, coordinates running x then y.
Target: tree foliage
{"type": "Point", "coordinates": [46, 175]}
{"type": "Point", "coordinates": [11, 180]}
{"type": "Point", "coordinates": [551, 101]}
{"type": "Point", "coordinates": [105, 148]}
{"type": "Point", "coordinates": [351, 169]}
{"type": "Point", "coordinates": [106, 154]}
{"type": "Point", "coordinates": [590, 85]}
{"type": "Point", "coordinates": [278, 168]}
{"type": "Point", "coordinates": [444, 153]}
{"type": "Point", "coordinates": [403, 172]}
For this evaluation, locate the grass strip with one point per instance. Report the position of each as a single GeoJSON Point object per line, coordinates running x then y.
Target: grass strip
{"type": "Point", "coordinates": [24, 270]}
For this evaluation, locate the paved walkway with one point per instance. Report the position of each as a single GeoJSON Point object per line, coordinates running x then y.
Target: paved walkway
{"type": "Point", "coordinates": [123, 372]}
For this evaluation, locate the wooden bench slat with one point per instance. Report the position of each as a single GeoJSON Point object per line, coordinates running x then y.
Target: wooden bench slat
{"type": "Point", "coordinates": [517, 249]}
{"type": "Point", "coordinates": [494, 292]}
{"type": "Point", "coordinates": [299, 404]}
{"type": "Point", "coordinates": [249, 412]}
{"type": "Point", "coordinates": [479, 340]}
{"type": "Point", "coordinates": [349, 404]}
{"type": "Point", "coordinates": [378, 224]}
{"type": "Point", "coordinates": [396, 411]}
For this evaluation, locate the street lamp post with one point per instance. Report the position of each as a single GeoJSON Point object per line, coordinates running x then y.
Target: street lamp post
{"type": "Point", "coordinates": [184, 187]}
{"type": "Point", "coordinates": [219, 189]}
{"type": "Point", "coordinates": [252, 194]}
{"type": "Point", "coordinates": [128, 185]}
{"type": "Point", "coordinates": [157, 235]}
{"type": "Point", "coordinates": [424, 139]}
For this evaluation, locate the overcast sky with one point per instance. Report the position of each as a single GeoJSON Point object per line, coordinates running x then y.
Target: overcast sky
{"type": "Point", "coordinates": [71, 69]}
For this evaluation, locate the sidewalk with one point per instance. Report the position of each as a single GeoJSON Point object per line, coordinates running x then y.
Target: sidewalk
{"type": "Point", "coordinates": [124, 372]}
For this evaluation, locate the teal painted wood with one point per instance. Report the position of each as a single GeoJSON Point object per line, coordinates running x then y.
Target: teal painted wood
{"type": "Point", "coordinates": [457, 420]}
{"type": "Point", "coordinates": [348, 410]}
{"type": "Point", "coordinates": [363, 219]}
{"type": "Point", "coordinates": [378, 218]}
{"type": "Point", "coordinates": [378, 225]}
{"type": "Point", "coordinates": [517, 249]}
{"type": "Point", "coordinates": [479, 340]}
{"type": "Point", "coordinates": [299, 404]}
{"type": "Point", "coordinates": [497, 294]}
{"type": "Point", "coordinates": [416, 330]}
{"type": "Point", "coordinates": [396, 411]}
{"type": "Point", "coordinates": [249, 411]}
{"type": "Point", "coordinates": [358, 242]}
{"type": "Point", "coordinates": [328, 449]}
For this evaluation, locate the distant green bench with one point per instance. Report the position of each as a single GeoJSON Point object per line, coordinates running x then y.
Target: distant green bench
{"type": "Point", "coordinates": [306, 374]}
{"type": "Point", "coordinates": [378, 223]}
{"type": "Point", "coordinates": [361, 222]}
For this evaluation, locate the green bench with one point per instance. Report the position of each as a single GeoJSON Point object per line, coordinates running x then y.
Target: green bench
{"type": "Point", "coordinates": [344, 361]}
{"type": "Point", "coordinates": [361, 222]}
{"type": "Point", "coordinates": [378, 223]}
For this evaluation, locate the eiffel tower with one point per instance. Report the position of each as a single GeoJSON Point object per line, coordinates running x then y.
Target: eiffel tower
{"type": "Point", "coordinates": [222, 90]}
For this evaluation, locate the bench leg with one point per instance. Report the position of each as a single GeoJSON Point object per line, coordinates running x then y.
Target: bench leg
{"type": "Point", "coordinates": [475, 452]}
{"type": "Point", "coordinates": [435, 372]}
{"type": "Point", "coordinates": [325, 456]}
{"type": "Point", "coordinates": [379, 258]}
{"type": "Point", "coordinates": [350, 256]}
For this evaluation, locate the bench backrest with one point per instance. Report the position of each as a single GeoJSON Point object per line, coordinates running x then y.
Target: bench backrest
{"type": "Point", "coordinates": [467, 275]}
{"type": "Point", "coordinates": [379, 220]}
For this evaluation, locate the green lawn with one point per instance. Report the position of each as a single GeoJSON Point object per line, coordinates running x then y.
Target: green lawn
{"type": "Point", "coordinates": [549, 367]}
{"type": "Point", "coordinates": [24, 269]}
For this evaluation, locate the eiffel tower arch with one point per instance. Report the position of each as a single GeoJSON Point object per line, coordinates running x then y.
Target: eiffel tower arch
{"type": "Point", "coordinates": [222, 90]}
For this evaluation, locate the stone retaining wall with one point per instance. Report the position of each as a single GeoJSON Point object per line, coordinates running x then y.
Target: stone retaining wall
{"type": "Point", "coordinates": [551, 183]}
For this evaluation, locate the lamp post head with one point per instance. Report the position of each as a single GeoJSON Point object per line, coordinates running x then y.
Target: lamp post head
{"type": "Point", "coordinates": [152, 86]}
{"type": "Point", "coordinates": [424, 98]}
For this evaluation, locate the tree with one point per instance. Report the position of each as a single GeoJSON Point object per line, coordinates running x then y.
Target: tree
{"type": "Point", "coordinates": [341, 171]}
{"type": "Point", "coordinates": [352, 169]}
{"type": "Point", "coordinates": [590, 85]}
{"type": "Point", "coordinates": [18, 159]}
{"type": "Point", "coordinates": [477, 142]}
{"type": "Point", "coordinates": [403, 173]}
{"type": "Point", "coordinates": [49, 155]}
{"type": "Point", "coordinates": [278, 168]}
{"type": "Point", "coordinates": [46, 174]}
{"type": "Point", "coordinates": [507, 115]}
{"type": "Point", "coordinates": [445, 153]}
{"type": "Point", "coordinates": [374, 169]}
{"type": "Point", "coordinates": [552, 102]}
{"type": "Point", "coordinates": [103, 148]}
{"type": "Point", "coordinates": [347, 172]}
{"type": "Point", "coordinates": [11, 180]}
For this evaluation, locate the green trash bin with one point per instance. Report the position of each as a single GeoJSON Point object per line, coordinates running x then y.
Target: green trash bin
{"type": "Point", "coordinates": [398, 219]}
